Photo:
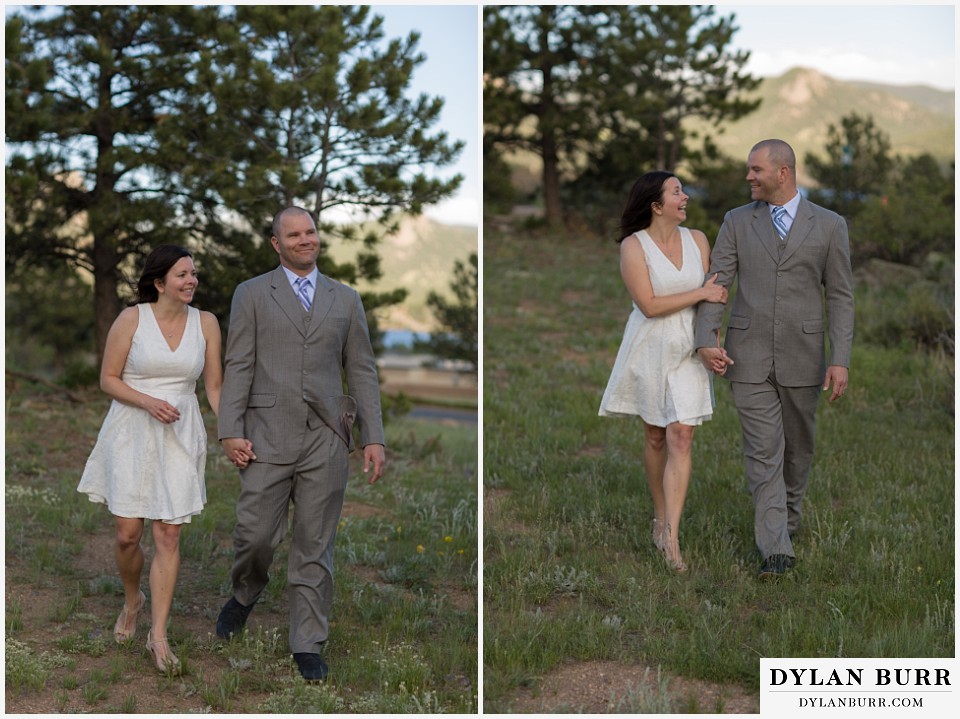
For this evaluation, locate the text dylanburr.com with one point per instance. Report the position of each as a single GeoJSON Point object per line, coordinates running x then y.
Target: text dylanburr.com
{"type": "Point", "coordinates": [858, 687]}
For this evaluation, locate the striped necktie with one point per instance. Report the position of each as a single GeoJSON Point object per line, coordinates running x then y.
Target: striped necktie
{"type": "Point", "coordinates": [780, 221]}
{"type": "Point", "coordinates": [303, 288]}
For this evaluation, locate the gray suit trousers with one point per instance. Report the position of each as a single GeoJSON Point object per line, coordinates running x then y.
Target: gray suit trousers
{"type": "Point", "coordinates": [316, 484]}
{"type": "Point", "coordinates": [779, 427]}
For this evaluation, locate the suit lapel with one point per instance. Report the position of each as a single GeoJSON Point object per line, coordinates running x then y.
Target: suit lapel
{"type": "Point", "coordinates": [287, 301]}
{"type": "Point", "coordinates": [762, 226]}
{"type": "Point", "coordinates": [799, 230]}
{"type": "Point", "coordinates": [767, 236]}
{"type": "Point", "coordinates": [322, 302]}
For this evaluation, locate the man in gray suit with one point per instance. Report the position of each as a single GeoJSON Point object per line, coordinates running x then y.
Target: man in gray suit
{"type": "Point", "coordinates": [791, 258]}
{"type": "Point", "coordinates": [286, 422]}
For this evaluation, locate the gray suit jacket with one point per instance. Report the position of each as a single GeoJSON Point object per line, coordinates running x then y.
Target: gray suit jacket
{"type": "Point", "coordinates": [777, 317]}
{"type": "Point", "coordinates": [284, 367]}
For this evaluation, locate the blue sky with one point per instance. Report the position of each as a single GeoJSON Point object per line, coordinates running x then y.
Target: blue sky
{"type": "Point", "coordinates": [449, 38]}
{"type": "Point", "coordinates": [899, 44]}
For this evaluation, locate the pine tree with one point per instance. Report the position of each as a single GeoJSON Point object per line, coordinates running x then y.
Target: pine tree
{"type": "Point", "coordinates": [458, 337]}
{"type": "Point", "coordinates": [310, 106]}
{"type": "Point", "coordinates": [533, 56]}
{"type": "Point", "coordinates": [132, 126]}
{"type": "Point", "coordinates": [857, 164]}
{"type": "Point", "coordinates": [669, 63]}
{"type": "Point", "coordinates": [602, 93]}
{"type": "Point", "coordinates": [85, 91]}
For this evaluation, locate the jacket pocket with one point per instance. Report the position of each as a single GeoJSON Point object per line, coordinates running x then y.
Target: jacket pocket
{"type": "Point", "coordinates": [339, 413]}
{"type": "Point", "coordinates": [262, 400]}
{"type": "Point", "coordinates": [738, 322]}
{"type": "Point", "coordinates": [813, 327]}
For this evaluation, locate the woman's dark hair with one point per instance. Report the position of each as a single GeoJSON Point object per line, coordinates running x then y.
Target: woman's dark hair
{"type": "Point", "coordinates": [156, 267]}
{"type": "Point", "coordinates": [638, 213]}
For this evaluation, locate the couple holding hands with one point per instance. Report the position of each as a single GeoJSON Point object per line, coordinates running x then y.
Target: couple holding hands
{"type": "Point", "coordinates": [283, 420]}
{"type": "Point", "coordinates": [791, 260]}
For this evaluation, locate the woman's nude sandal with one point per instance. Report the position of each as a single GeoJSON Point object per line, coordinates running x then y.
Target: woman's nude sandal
{"type": "Point", "coordinates": [658, 527]}
{"type": "Point", "coordinates": [121, 632]}
{"type": "Point", "coordinates": [670, 548]}
{"type": "Point", "coordinates": [166, 664]}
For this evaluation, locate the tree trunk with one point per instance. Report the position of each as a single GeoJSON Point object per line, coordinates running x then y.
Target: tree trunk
{"type": "Point", "coordinates": [661, 144]}
{"type": "Point", "coordinates": [106, 304]}
{"type": "Point", "coordinates": [553, 209]}
{"type": "Point", "coordinates": [101, 217]}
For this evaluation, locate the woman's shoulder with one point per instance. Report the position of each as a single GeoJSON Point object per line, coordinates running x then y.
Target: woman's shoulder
{"type": "Point", "coordinates": [635, 239]}
{"type": "Point", "coordinates": [632, 243]}
{"type": "Point", "coordinates": [207, 319]}
{"type": "Point", "coordinates": [127, 322]}
{"type": "Point", "coordinates": [698, 235]}
{"type": "Point", "coordinates": [129, 316]}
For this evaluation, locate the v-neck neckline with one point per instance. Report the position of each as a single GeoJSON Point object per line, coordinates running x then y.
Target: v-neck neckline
{"type": "Point", "coordinates": [156, 322]}
{"type": "Point", "coordinates": [664, 254]}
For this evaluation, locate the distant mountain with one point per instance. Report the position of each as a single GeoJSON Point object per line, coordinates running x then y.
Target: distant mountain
{"type": "Point", "coordinates": [802, 103]}
{"type": "Point", "coordinates": [420, 258]}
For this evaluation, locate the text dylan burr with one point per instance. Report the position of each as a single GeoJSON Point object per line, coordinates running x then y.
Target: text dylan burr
{"type": "Point", "coordinates": [854, 677]}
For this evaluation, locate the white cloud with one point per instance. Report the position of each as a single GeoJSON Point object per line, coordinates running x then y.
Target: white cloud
{"type": "Point", "coordinates": [456, 211]}
{"type": "Point", "coordinates": [845, 65]}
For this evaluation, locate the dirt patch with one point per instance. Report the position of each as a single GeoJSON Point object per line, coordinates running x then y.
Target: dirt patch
{"type": "Point", "coordinates": [459, 599]}
{"type": "Point", "coordinates": [362, 511]}
{"type": "Point", "coordinates": [492, 516]}
{"type": "Point", "coordinates": [608, 687]}
{"type": "Point", "coordinates": [576, 357]}
{"type": "Point", "coordinates": [139, 685]}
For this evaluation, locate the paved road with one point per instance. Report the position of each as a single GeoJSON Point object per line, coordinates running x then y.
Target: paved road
{"type": "Point", "coordinates": [467, 416]}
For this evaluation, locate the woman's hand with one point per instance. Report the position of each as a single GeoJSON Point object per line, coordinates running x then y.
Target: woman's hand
{"type": "Point", "coordinates": [238, 450]}
{"type": "Point", "coordinates": [160, 410]}
{"type": "Point", "coordinates": [713, 292]}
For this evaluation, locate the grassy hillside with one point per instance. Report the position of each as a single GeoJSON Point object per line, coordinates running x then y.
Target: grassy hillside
{"type": "Point", "coordinates": [404, 626]}
{"type": "Point", "coordinates": [800, 105]}
{"type": "Point", "coordinates": [420, 258]}
{"type": "Point", "coordinates": [572, 583]}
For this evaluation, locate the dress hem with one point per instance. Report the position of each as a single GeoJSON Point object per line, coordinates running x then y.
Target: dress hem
{"type": "Point", "coordinates": [689, 422]}
{"type": "Point", "coordinates": [123, 514]}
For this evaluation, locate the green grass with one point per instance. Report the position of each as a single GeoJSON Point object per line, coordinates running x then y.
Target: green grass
{"type": "Point", "coordinates": [570, 572]}
{"type": "Point", "coordinates": [404, 624]}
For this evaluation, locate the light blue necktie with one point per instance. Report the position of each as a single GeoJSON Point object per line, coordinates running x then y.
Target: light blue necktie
{"type": "Point", "coordinates": [780, 220]}
{"type": "Point", "coordinates": [303, 287]}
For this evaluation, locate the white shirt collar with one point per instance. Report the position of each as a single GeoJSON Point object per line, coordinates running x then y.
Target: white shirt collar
{"type": "Point", "coordinates": [791, 206]}
{"type": "Point", "coordinates": [292, 277]}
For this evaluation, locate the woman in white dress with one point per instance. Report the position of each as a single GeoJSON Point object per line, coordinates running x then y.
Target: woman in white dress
{"type": "Point", "coordinates": [657, 374]}
{"type": "Point", "coordinates": [149, 459]}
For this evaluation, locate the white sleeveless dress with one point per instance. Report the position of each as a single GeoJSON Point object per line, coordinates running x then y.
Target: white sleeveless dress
{"type": "Point", "coordinates": [657, 374]}
{"type": "Point", "coordinates": [141, 467]}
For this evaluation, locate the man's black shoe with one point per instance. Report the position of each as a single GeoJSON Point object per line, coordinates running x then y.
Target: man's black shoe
{"type": "Point", "coordinates": [312, 667]}
{"type": "Point", "coordinates": [233, 618]}
{"type": "Point", "coordinates": [775, 566]}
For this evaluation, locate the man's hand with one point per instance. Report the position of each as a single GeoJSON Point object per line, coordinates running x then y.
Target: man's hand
{"type": "Point", "coordinates": [376, 454]}
{"type": "Point", "coordinates": [239, 451]}
{"type": "Point", "coordinates": [838, 376]}
{"type": "Point", "coordinates": [715, 359]}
